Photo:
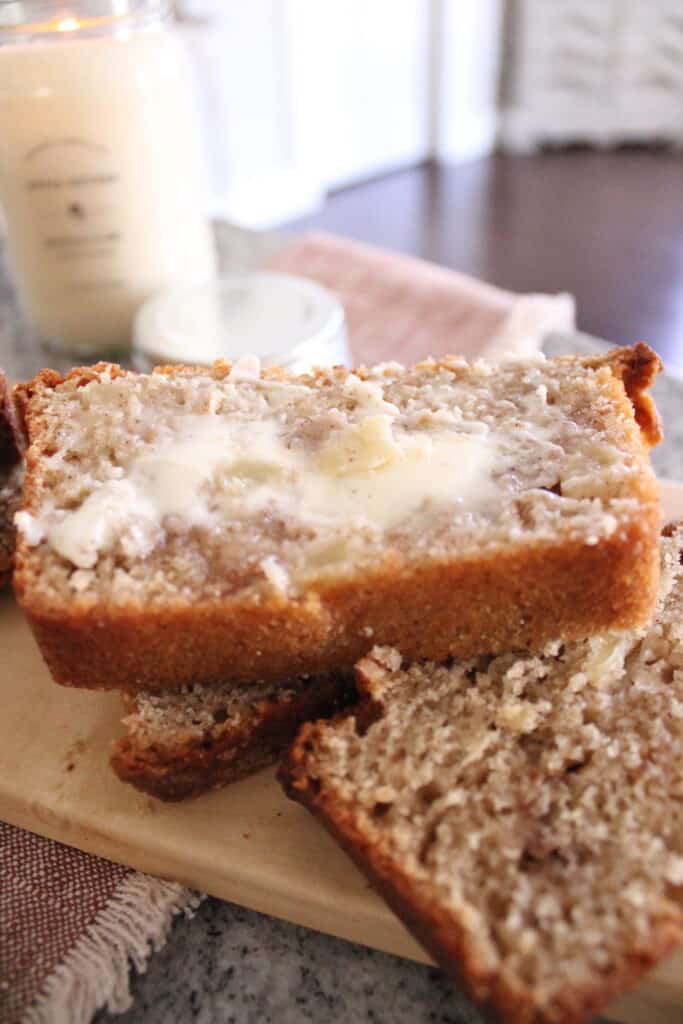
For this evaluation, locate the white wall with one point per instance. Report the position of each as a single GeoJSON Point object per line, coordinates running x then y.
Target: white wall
{"type": "Point", "coordinates": [359, 79]}
{"type": "Point", "coordinates": [238, 50]}
{"type": "Point", "coordinates": [466, 102]}
{"type": "Point", "coordinates": [300, 96]}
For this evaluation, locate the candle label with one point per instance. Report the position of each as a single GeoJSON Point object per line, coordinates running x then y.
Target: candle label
{"type": "Point", "coordinates": [72, 189]}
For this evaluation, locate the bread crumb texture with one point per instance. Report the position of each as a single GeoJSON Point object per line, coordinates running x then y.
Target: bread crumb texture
{"type": "Point", "coordinates": [192, 715]}
{"type": "Point", "coordinates": [525, 814]}
{"type": "Point", "coordinates": [193, 484]}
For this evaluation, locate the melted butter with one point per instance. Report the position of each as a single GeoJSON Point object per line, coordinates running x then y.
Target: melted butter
{"type": "Point", "coordinates": [370, 473]}
{"type": "Point", "coordinates": [366, 446]}
{"type": "Point", "coordinates": [384, 480]}
{"type": "Point", "coordinates": [369, 395]}
{"type": "Point", "coordinates": [95, 525]}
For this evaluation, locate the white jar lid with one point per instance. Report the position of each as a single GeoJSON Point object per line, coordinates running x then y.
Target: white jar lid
{"type": "Point", "coordinates": [280, 318]}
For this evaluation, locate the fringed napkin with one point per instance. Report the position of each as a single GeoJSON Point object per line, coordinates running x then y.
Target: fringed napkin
{"type": "Point", "coordinates": [71, 924]}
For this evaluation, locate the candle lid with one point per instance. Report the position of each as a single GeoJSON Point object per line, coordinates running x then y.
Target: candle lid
{"type": "Point", "coordinates": [282, 319]}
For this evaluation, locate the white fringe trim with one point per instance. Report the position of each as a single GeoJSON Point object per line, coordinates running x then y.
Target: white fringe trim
{"type": "Point", "coordinates": [135, 922]}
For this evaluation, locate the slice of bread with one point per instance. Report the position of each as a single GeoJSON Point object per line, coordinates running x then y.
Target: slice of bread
{"type": "Point", "coordinates": [196, 525]}
{"type": "Point", "coordinates": [522, 815]}
{"type": "Point", "coordinates": [11, 478]}
{"type": "Point", "coordinates": [182, 743]}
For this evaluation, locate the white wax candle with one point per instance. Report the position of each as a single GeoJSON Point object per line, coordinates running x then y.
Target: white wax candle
{"type": "Point", "coordinates": [99, 179]}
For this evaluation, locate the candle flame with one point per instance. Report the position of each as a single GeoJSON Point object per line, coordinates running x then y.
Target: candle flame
{"type": "Point", "coordinates": [68, 25]}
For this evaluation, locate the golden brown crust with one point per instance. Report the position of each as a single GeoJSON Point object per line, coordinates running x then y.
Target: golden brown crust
{"type": "Point", "coordinates": [501, 600]}
{"type": "Point", "coordinates": [228, 751]}
{"type": "Point", "coordinates": [443, 934]}
{"type": "Point", "coordinates": [516, 599]}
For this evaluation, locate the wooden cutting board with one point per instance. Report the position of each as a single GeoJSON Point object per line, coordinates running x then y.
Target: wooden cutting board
{"type": "Point", "coordinates": [246, 843]}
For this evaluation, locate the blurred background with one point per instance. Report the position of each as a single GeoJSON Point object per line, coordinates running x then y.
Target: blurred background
{"type": "Point", "coordinates": [533, 143]}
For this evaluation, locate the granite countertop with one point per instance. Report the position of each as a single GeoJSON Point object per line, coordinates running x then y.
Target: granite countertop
{"type": "Point", "coordinates": [229, 964]}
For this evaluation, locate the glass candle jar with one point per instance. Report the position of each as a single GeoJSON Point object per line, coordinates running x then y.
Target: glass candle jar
{"type": "Point", "coordinates": [100, 176]}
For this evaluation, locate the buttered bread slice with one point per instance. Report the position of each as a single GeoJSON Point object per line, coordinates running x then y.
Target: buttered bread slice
{"type": "Point", "coordinates": [196, 525]}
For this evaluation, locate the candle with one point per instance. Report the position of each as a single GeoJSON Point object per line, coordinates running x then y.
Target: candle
{"type": "Point", "coordinates": [100, 176]}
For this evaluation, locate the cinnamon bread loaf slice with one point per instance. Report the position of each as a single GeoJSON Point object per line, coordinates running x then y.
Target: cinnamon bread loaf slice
{"type": "Point", "coordinates": [522, 815]}
{"type": "Point", "coordinates": [182, 743]}
{"type": "Point", "coordinates": [11, 477]}
{"type": "Point", "coordinates": [196, 525]}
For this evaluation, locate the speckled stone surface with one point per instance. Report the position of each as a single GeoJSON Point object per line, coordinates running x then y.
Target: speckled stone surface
{"type": "Point", "coordinates": [238, 967]}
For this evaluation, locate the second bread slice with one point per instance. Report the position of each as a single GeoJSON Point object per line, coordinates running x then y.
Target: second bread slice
{"type": "Point", "coordinates": [522, 815]}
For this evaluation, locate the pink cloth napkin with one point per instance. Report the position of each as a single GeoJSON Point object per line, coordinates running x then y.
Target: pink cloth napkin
{"type": "Point", "coordinates": [402, 308]}
{"type": "Point", "coordinates": [70, 923]}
